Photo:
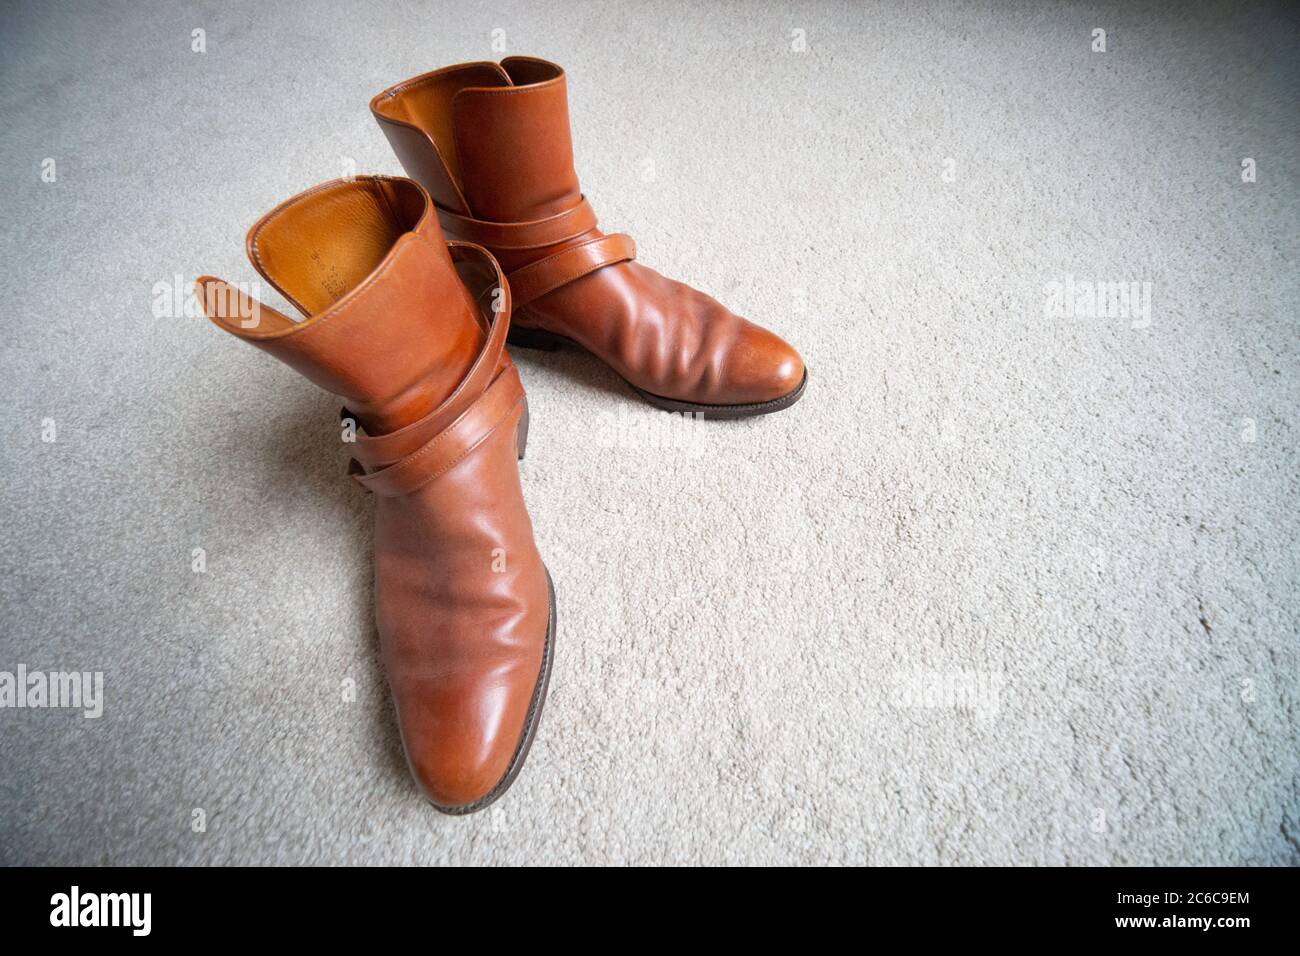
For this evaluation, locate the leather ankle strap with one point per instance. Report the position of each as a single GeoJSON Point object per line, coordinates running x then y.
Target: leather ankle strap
{"type": "Point", "coordinates": [536, 234]}
{"type": "Point", "coordinates": [535, 279]}
{"type": "Point", "coordinates": [400, 461]}
{"type": "Point", "coordinates": [573, 262]}
{"type": "Point", "coordinates": [452, 445]}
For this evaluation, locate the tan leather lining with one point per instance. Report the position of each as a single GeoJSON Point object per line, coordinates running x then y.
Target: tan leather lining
{"type": "Point", "coordinates": [425, 103]}
{"type": "Point", "coordinates": [322, 244]}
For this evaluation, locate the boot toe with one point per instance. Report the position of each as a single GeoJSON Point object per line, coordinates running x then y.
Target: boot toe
{"type": "Point", "coordinates": [467, 731]}
{"type": "Point", "coordinates": [459, 764]}
{"type": "Point", "coordinates": [456, 787]}
{"type": "Point", "coordinates": [762, 367]}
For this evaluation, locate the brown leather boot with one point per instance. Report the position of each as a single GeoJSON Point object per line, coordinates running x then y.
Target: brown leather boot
{"type": "Point", "coordinates": [465, 608]}
{"type": "Point", "coordinates": [491, 144]}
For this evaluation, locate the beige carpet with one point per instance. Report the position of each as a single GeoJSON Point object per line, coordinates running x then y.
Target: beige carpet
{"type": "Point", "coordinates": [1017, 582]}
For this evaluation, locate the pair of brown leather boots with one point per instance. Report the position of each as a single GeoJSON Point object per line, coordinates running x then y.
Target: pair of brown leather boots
{"type": "Point", "coordinates": [410, 329]}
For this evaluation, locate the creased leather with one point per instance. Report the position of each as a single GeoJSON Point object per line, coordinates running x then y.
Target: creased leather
{"type": "Point", "coordinates": [462, 599]}
{"type": "Point", "coordinates": [501, 139]}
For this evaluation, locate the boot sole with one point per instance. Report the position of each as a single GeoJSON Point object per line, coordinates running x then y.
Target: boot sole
{"type": "Point", "coordinates": [550, 342]}
{"type": "Point", "coordinates": [530, 722]}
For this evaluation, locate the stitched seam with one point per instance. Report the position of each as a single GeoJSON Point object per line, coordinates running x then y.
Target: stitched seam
{"type": "Point", "coordinates": [501, 230]}
{"type": "Point", "coordinates": [422, 79]}
{"type": "Point", "coordinates": [398, 89]}
{"type": "Point", "coordinates": [538, 265]}
{"type": "Point", "coordinates": [527, 222]}
{"type": "Point", "coordinates": [571, 275]}
{"type": "Point", "coordinates": [523, 272]}
{"type": "Point", "coordinates": [410, 460]}
{"type": "Point", "coordinates": [562, 279]}
{"type": "Point", "coordinates": [435, 74]}
{"type": "Point", "coordinates": [469, 450]}
{"type": "Point", "coordinates": [461, 457]}
{"type": "Point", "coordinates": [506, 90]}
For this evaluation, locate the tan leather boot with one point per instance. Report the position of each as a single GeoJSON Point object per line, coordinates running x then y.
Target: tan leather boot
{"type": "Point", "coordinates": [491, 144]}
{"type": "Point", "coordinates": [465, 608]}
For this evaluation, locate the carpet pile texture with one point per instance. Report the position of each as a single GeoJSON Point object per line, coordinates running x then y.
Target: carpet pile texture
{"type": "Point", "coordinates": [1016, 582]}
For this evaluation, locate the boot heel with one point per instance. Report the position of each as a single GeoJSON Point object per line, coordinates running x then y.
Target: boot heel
{"type": "Point", "coordinates": [521, 435]}
{"type": "Point", "coordinates": [533, 339]}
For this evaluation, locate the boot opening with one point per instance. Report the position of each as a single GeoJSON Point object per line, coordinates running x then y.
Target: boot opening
{"type": "Point", "coordinates": [526, 70]}
{"type": "Point", "coordinates": [320, 245]}
{"type": "Point", "coordinates": [425, 103]}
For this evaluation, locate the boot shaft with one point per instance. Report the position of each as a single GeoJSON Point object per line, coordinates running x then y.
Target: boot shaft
{"type": "Point", "coordinates": [492, 143]}
{"type": "Point", "coordinates": [487, 140]}
{"type": "Point", "coordinates": [388, 324]}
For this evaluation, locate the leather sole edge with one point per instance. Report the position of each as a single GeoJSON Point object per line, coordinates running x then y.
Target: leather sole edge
{"type": "Point", "coordinates": [720, 412]}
